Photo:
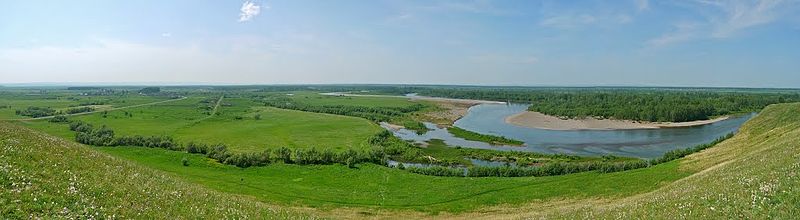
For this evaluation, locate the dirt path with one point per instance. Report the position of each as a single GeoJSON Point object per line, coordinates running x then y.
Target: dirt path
{"type": "Point", "coordinates": [92, 112]}
{"type": "Point", "coordinates": [214, 111]}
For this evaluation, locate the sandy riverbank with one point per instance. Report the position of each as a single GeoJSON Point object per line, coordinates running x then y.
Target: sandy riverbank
{"type": "Point", "coordinates": [451, 109]}
{"type": "Point", "coordinates": [542, 121]}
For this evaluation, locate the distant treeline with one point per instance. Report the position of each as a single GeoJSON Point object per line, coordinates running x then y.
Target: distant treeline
{"type": "Point", "coordinates": [627, 103]}
{"type": "Point", "coordinates": [376, 114]}
{"type": "Point", "coordinates": [657, 105]}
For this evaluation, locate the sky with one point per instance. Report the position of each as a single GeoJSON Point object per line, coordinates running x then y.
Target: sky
{"type": "Point", "coordinates": [736, 43]}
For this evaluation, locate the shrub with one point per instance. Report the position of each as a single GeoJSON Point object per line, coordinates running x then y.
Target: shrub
{"type": "Point", "coordinates": [59, 119]}
{"type": "Point", "coordinates": [36, 112]}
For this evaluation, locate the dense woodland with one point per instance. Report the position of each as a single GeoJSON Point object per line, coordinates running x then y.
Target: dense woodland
{"type": "Point", "coordinates": [657, 105]}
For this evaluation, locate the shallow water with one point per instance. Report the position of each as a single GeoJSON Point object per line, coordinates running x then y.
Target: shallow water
{"type": "Point", "coordinates": [642, 143]}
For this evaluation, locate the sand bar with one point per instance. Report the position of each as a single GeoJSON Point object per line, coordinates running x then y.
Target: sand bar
{"type": "Point", "coordinates": [538, 120]}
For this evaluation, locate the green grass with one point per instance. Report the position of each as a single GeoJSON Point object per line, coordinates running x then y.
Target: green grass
{"type": "Point", "coordinates": [46, 177]}
{"type": "Point", "coordinates": [332, 186]}
{"type": "Point", "coordinates": [474, 136]}
{"type": "Point", "coordinates": [282, 128]}
{"type": "Point", "coordinates": [185, 121]}
{"type": "Point", "coordinates": [62, 100]}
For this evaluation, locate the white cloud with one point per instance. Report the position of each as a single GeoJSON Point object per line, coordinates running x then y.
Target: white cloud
{"type": "Point", "coordinates": [249, 10]}
{"type": "Point", "coordinates": [166, 34]}
{"type": "Point", "coordinates": [725, 19]}
{"type": "Point", "coordinates": [740, 15]}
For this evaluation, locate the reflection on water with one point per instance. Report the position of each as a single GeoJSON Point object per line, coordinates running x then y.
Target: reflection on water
{"type": "Point", "coordinates": [643, 143]}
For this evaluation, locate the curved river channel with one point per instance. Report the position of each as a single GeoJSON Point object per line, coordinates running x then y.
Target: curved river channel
{"type": "Point", "coordinates": [641, 143]}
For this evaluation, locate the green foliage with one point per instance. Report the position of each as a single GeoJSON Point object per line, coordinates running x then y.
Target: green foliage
{"type": "Point", "coordinates": [680, 153]}
{"type": "Point", "coordinates": [150, 90]}
{"type": "Point", "coordinates": [36, 112]}
{"type": "Point", "coordinates": [79, 110]}
{"type": "Point", "coordinates": [376, 114]}
{"type": "Point", "coordinates": [59, 119]}
{"type": "Point", "coordinates": [491, 139]}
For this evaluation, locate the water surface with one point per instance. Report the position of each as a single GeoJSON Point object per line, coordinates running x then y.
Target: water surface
{"type": "Point", "coordinates": [642, 143]}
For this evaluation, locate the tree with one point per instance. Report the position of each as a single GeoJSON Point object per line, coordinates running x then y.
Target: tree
{"type": "Point", "coordinates": [150, 90]}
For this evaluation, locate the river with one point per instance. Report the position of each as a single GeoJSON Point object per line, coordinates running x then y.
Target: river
{"type": "Point", "coordinates": [641, 143]}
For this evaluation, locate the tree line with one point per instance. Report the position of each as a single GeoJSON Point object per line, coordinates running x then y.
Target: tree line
{"type": "Point", "coordinates": [640, 104]}
{"type": "Point", "coordinates": [376, 114]}
{"type": "Point", "coordinates": [36, 112]}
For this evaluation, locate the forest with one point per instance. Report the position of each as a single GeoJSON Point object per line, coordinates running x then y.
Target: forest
{"type": "Point", "coordinates": [639, 104]}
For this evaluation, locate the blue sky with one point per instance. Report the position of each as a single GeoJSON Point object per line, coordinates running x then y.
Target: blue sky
{"type": "Point", "coordinates": [572, 43]}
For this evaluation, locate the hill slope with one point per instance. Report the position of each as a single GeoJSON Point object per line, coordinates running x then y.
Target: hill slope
{"type": "Point", "coordinates": [42, 176]}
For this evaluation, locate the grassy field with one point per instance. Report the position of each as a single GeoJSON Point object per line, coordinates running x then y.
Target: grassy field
{"type": "Point", "coordinates": [233, 124]}
{"type": "Point", "coordinates": [373, 186]}
{"type": "Point", "coordinates": [42, 176]}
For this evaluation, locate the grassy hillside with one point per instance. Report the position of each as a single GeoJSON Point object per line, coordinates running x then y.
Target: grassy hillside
{"type": "Point", "coordinates": [755, 174]}
{"type": "Point", "coordinates": [42, 176]}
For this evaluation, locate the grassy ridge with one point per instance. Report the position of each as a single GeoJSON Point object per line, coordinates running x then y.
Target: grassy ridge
{"type": "Point", "coordinates": [42, 176]}
{"type": "Point", "coordinates": [491, 139]}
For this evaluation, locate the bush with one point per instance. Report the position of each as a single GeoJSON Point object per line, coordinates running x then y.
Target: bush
{"type": "Point", "coordinates": [79, 110]}
{"type": "Point", "coordinates": [36, 112]}
{"type": "Point", "coordinates": [680, 153]}
{"type": "Point", "coordinates": [185, 162]}
{"type": "Point", "coordinates": [59, 119]}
